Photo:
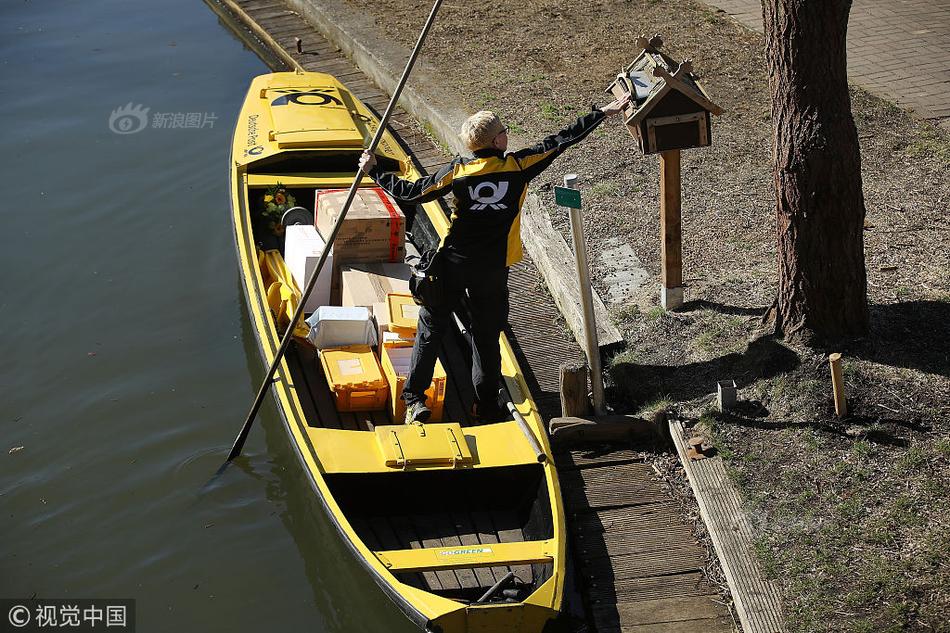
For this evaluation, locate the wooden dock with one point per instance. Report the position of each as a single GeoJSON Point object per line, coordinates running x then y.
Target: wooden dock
{"type": "Point", "coordinates": [638, 567]}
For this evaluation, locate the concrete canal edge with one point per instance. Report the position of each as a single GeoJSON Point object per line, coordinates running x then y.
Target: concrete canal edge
{"type": "Point", "coordinates": [383, 61]}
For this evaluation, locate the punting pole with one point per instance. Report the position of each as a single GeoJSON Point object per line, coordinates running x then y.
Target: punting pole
{"type": "Point", "coordinates": [311, 282]}
{"type": "Point", "coordinates": [525, 429]}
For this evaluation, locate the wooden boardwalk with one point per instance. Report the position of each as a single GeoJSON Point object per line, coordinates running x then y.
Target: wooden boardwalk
{"type": "Point", "coordinates": [638, 567]}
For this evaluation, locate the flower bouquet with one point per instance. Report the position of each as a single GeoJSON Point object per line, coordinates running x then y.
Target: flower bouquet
{"type": "Point", "coordinates": [276, 202]}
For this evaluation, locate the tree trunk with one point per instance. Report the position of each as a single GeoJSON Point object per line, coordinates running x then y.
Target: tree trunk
{"type": "Point", "coordinates": [822, 294]}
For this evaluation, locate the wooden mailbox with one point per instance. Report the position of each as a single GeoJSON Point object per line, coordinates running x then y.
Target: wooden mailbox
{"type": "Point", "coordinates": [669, 109]}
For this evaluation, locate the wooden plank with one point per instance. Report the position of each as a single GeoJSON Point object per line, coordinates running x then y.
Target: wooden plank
{"type": "Point", "coordinates": [650, 588]}
{"type": "Point", "coordinates": [757, 599]}
{"type": "Point", "coordinates": [271, 17]}
{"type": "Point", "coordinates": [468, 536]}
{"type": "Point", "coordinates": [509, 531]}
{"type": "Point", "coordinates": [662, 610]}
{"type": "Point", "coordinates": [605, 624]}
{"type": "Point", "coordinates": [403, 527]}
{"type": "Point", "coordinates": [595, 458]}
{"type": "Point", "coordinates": [387, 540]}
{"type": "Point", "coordinates": [486, 535]}
{"type": "Point", "coordinates": [317, 389]}
{"type": "Point", "coordinates": [613, 429]}
{"type": "Point", "coordinates": [665, 560]}
{"type": "Point", "coordinates": [429, 531]}
{"type": "Point", "coordinates": [365, 531]}
{"type": "Point", "coordinates": [251, 5]}
{"type": "Point", "coordinates": [553, 258]}
{"type": "Point", "coordinates": [466, 577]}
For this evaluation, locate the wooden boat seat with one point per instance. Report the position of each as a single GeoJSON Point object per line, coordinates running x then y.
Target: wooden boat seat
{"type": "Point", "coordinates": [488, 445]}
{"type": "Point", "coordinates": [471, 556]}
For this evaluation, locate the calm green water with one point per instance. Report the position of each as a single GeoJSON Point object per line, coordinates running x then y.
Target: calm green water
{"type": "Point", "coordinates": [128, 363]}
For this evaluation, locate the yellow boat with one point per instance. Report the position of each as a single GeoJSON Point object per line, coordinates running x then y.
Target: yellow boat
{"type": "Point", "coordinates": [461, 524]}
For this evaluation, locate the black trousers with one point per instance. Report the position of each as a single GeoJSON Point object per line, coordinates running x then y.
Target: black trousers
{"type": "Point", "coordinates": [488, 298]}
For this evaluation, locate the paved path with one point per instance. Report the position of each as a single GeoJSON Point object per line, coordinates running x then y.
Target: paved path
{"type": "Point", "coordinates": [897, 49]}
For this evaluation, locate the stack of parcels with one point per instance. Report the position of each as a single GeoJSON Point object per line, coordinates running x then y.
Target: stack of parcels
{"type": "Point", "coordinates": [374, 229]}
{"type": "Point", "coordinates": [355, 378]}
{"type": "Point", "coordinates": [397, 320]}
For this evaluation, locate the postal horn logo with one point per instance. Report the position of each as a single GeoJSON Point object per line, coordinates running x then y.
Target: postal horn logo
{"type": "Point", "coordinates": [307, 98]}
{"type": "Point", "coordinates": [488, 195]}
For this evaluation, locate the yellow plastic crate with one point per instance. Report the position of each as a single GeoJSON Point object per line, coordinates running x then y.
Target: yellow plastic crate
{"type": "Point", "coordinates": [355, 378]}
{"type": "Point", "coordinates": [403, 314]}
{"type": "Point", "coordinates": [395, 363]}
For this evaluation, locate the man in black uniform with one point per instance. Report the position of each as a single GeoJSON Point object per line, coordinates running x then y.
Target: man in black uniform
{"type": "Point", "coordinates": [483, 241]}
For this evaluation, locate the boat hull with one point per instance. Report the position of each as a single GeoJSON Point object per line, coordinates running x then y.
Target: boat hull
{"type": "Point", "coordinates": [425, 610]}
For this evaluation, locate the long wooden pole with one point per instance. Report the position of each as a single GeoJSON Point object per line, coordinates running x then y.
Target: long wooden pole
{"type": "Point", "coordinates": [311, 282]}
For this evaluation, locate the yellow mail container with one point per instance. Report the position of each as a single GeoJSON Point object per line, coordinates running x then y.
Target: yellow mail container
{"type": "Point", "coordinates": [395, 362]}
{"type": "Point", "coordinates": [355, 378]}
{"type": "Point", "coordinates": [403, 314]}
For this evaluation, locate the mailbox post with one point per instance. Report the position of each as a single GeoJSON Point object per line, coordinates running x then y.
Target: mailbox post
{"type": "Point", "coordinates": [669, 111]}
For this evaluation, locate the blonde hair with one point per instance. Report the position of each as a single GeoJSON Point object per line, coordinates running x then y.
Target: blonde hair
{"type": "Point", "coordinates": [480, 130]}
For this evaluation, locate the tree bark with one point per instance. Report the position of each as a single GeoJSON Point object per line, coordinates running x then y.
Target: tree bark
{"type": "Point", "coordinates": [822, 294]}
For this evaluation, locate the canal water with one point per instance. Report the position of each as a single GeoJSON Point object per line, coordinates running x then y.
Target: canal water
{"type": "Point", "coordinates": [128, 364]}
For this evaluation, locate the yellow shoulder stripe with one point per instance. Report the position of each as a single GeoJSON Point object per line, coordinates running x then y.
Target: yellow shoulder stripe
{"type": "Point", "coordinates": [528, 161]}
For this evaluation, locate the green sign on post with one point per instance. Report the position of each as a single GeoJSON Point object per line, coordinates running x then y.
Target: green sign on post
{"type": "Point", "coordinates": [570, 198]}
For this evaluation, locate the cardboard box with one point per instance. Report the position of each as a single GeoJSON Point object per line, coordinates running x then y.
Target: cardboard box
{"type": "Point", "coordinates": [374, 229]}
{"type": "Point", "coordinates": [395, 364]}
{"type": "Point", "coordinates": [366, 284]}
{"type": "Point", "coordinates": [302, 249]}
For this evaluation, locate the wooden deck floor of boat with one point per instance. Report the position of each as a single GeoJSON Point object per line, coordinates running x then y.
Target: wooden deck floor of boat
{"type": "Point", "coordinates": [638, 568]}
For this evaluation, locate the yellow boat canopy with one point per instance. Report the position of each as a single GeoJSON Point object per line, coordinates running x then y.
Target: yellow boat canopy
{"type": "Point", "coordinates": [292, 111]}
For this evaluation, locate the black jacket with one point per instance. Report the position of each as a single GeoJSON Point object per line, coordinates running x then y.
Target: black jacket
{"type": "Point", "coordinates": [489, 190]}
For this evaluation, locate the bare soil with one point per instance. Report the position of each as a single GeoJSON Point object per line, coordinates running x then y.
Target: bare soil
{"type": "Point", "coordinates": [850, 514]}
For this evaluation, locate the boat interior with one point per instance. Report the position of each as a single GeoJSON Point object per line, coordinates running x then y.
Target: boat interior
{"type": "Point", "coordinates": [396, 511]}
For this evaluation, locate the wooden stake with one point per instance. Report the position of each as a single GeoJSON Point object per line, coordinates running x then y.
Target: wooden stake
{"type": "Point", "coordinates": [573, 387]}
{"type": "Point", "coordinates": [837, 385]}
{"type": "Point", "coordinates": [671, 249]}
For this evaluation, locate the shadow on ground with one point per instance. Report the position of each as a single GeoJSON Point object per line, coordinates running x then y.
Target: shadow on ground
{"type": "Point", "coordinates": [912, 335]}
{"type": "Point", "coordinates": [763, 358]}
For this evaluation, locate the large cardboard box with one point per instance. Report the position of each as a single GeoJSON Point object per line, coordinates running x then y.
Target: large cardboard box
{"type": "Point", "coordinates": [366, 284]}
{"type": "Point", "coordinates": [302, 249]}
{"type": "Point", "coordinates": [374, 229]}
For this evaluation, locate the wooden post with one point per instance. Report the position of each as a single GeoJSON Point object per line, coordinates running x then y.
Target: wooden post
{"type": "Point", "coordinates": [573, 387]}
{"type": "Point", "coordinates": [587, 302]}
{"type": "Point", "coordinates": [671, 248]}
{"type": "Point", "coordinates": [837, 384]}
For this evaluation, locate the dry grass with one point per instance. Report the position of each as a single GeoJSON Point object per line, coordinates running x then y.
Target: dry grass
{"type": "Point", "coordinates": [850, 514]}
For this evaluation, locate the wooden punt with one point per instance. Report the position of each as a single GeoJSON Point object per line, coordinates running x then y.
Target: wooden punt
{"type": "Point", "coordinates": [435, 537]}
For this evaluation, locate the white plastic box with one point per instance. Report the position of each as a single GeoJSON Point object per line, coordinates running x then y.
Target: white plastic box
{"type": "Point", "coordinates": [337, 326]}
{"type": "Point", "coordinates": [302, 249]}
